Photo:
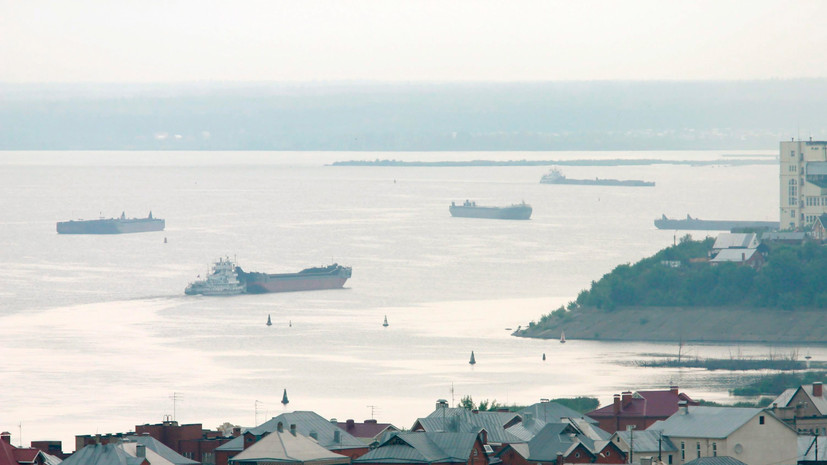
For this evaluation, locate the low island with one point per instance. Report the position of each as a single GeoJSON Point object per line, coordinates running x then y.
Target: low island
{"type": "Point", "coordinates": [683, 294]}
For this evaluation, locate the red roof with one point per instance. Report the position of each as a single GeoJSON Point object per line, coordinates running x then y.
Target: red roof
{"type": "Point", "coordinates": [26, 455]}
{"type": "Point", "coordinates": [368, 429]}
{"type": "Point", "coordinates": [650, 404]}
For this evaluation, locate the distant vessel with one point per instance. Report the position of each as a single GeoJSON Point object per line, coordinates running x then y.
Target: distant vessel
{"type": "Point", "coordinates": [385, 323]}
{"type": "Point", "coordinates": [562, 337]}
{"type": "Point", "coordinates": [223, 280]}
{"type": "Point", "coordinates": [712, 225]}
{"type": "Point", "coordinates": [556, 177]}
{"type": "Point", "coordinates": [473, 360]}
{"type": "Point", "coordinates": [111, 225]}
{"type": "Point", "coordinates": [469, 209]}
{"type": "Point", "coordinates": [310, 279]}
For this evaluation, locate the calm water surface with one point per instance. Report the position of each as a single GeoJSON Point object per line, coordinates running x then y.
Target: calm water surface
{"type": "Point", "coordinates": [98, 335]}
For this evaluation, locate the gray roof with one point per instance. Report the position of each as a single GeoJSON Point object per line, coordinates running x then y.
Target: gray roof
{"type": "Point", "coordinates": [161, 449]}
{"type": "Point", "coordinates": [783, 236]}
{"type": "Point", "coordinates": [284, 447]}
{"type": "Point", "coordinates": [102, 454]}
{"type": "Point", "coordinates": [552, 412]}
{"type": "Point", "coordinates": [306, 423]}
{"type": "Point", "coordinates": [422, 447]}
{"type": "Point", "coordinates": [465, 421]}
{"type": "Point", "coordinates": [820, 403]}
{"type": "Point", "coordinates": [734, 255]}
{"type": "Point", "coordinates": [720, 460]}
{"type": "Point", "coordinates": [553, 439]}
{"type": "Point", "coordinates": [807, 450]}
{"type": "Point", "coordinates": [736, 240]}
{"type": "Point", "coordinates": [706, 422]}
{"type": "Point", "coordinates": [647, 441]}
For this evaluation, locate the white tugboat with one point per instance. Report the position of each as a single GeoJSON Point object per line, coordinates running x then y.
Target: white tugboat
{"type": "Point", "coordinates": [222, 281]}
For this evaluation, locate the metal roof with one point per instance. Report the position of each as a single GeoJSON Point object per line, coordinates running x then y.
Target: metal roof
{"type": "Point", "coordinates": [422, 447]}
{"type": "Point", "coordinates": [820, 403]}
{"type": "Point", "coordinates": [706, 422]}
{"type": "Point", "coordinates": [646, 441]}
{"type": "Point", "coordinates": [552, 412]}
{"type": "Point", "coordinates": [102, 454]}
{"type": "Point", "coordinates": [735, 240]}
{"type": "Point", "coordinates": [556, 438]}
{"type": "Point", "coordinates": [720, 460]}
{"type": "Point", "coordinates": [734, 255]}
{"type": "Point", "coordinates": [306, 423]}
{"type": "Point", "coordinates": [161, 449]}
{"type": "Point", "coordinates": [282, 446]}
{"type": "Point", "coordinates": [463, 420]}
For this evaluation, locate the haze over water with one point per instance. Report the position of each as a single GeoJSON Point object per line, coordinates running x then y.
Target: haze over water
{"type": "Point", "coordinates": [98, 333]}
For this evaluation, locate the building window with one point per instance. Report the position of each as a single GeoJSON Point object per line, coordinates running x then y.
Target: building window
{"type": "Point", "coordinates": [714, 449]}
{"type": "Point", "coordinates": [792, 213]}
{"type": "Point", "coordinates": [698, 448]}
{"type": "Point", "coordinates": [793, 188]}
{"type": "Point", "coordinates": [793, 169]}
{"type": "Point", "coordinates": [683, 451]}
{"type": "Point", "coordinates": [670, 459]}
{"type": "Point", "coordinates": [761, 420]}
{"type": "Point", "coordinates": [792, 153]}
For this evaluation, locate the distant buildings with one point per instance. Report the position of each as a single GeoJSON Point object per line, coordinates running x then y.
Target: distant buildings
{"type": "Point", "coordinates": [803, 176]}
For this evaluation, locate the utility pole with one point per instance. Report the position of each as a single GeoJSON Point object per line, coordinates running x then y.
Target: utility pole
{"type": "Point", "coordinates": [631, 430]}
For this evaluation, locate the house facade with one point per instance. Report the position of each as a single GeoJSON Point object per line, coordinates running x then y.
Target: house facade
{"type": "Point", "coordinates": [804, 408]}
{"type": "Point", "coordinates": [803, 175]}
{"type": "Point", "coordinates": [751, 435]}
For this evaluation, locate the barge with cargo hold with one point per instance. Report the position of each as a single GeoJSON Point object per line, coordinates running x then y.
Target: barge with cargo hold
{"type": "Point", "coordinates": [120, 225]}
{"type": "Point", "coordinates": [310, 279]}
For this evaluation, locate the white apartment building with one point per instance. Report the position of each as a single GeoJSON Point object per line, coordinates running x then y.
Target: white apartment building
{"type": "Point", "coordinates": [803, 183]}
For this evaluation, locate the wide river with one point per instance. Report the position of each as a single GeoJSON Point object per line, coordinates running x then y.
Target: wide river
{"type": "Point", "coordinates": [98, 336]}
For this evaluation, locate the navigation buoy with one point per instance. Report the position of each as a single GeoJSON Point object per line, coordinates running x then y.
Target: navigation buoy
{"type": "Point", "coordinates": [544, 357]}
{"type": "Point", "coordinates": [473, 360]}
{"type": "Point", "coordinates": [385, 323]}
{"type": "Point", "coordinates": [284, 400]}
{"type": "Point", "coordinates": [290, 323]}
{"type": "Point", "coordinates": [165, 240]}
{"type": "Point", "coordinates": [269, 322]}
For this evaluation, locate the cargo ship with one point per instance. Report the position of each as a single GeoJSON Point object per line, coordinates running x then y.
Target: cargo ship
{"type": "Point", "coordinates": [556, 177]}
{"type": "Point", "coordinates": [695, 224]}
{"type": "Point", "coordinates": [120, 225]}
{"type": "Point", "coordinates": [227, 278]}
{"type": "Point", "coordinates": [469, 209]}
{"type": "Point", "coordinates": [310, 279]}
{"type": "Point", "coordinates": [222, 280]}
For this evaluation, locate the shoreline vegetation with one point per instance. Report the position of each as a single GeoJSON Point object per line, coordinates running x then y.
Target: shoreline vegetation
{"type": "Point", "coordinates": [677, 295]}
{"type": "Point", "coordinates": [758, 160]}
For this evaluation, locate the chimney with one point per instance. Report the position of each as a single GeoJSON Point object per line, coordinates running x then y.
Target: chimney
{"type": "Point", "coordinates": [559, 460]}
{"type": "Point", "coordinates": [6, 437]}
{"type": "Point", "coordinates": [314, 435]}
{"type": "Point", "coordinates": [140, 451]}
{"type": "Point", "coordinates": [293, 429]}
{"type": "Point", "coordinates": [818, 390]}
{"type": "Point", "coordinates": [372, 421]}
{"type": "Point", "coordinates": [337, 437]}
{"type": "Point", "coordinates": [236, 431]}
{"type": "Point", "coordinates": [743, 257]}
{"type": "Point", "coordinates": [683, 407]}
{"type": "Point", "coordinates": [350, 424]}
{"type": "Point", "coordinates": [616, 408]}
{"type": "Point", "coordinates": [673, 390]}
{"type": "Point", "coordinates": [334, 421]}
{"type": "Point", "coordinates": [626, 396]}
{"type": "Point", "coordinates": [280, 427]}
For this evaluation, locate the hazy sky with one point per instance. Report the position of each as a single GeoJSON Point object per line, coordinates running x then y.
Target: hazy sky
{"type": "Point", "coordinates": [388, 40]}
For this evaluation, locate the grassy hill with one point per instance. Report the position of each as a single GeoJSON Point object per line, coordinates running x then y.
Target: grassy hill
{"type": "Point", "coordinates": [784, 301]}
